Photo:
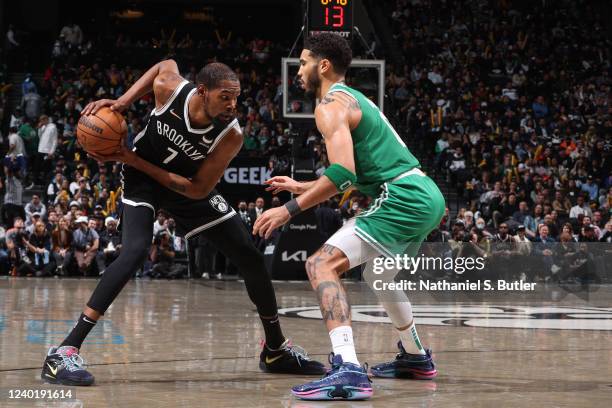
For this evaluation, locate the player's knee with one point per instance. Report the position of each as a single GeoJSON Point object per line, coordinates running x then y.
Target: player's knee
{"type": "Point", "coordinates": [317, 267]}
{"type": "Point", "coordinates": [135, 253]}
{"type": "Point", "coordinates": [310, 268]}
{"type": "Point", "coordinates": [245, 254]}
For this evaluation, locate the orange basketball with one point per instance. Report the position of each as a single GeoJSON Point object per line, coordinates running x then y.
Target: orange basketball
{"type": "Point", "coordinates": [101, 132]}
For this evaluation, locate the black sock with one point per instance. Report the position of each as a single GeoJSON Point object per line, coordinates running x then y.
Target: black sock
{"type": "Point", "coordinates": [274, 334]}
{"type": "Point", "coordinates": [79, 332]}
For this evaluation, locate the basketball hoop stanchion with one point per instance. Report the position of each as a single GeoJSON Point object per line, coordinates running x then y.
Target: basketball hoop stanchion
{"type": "Point", "coordinates": [364, 43]}
{"type": "Point", "coordinates": [296, 41]}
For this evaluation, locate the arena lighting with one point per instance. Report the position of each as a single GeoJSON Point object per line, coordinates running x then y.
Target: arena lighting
{"type": "Point", "coordinates": [204, 15]}
{"type": "Point", "coordinates": [129, 14]}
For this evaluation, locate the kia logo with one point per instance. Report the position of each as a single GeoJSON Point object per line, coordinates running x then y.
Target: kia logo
{"type": "Point", "coordinates": [298, 256]}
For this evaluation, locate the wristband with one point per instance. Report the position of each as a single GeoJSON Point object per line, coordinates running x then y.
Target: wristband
{"type": "Point", "coordinates": [342, 177]}
{"type": "Point", "coordinates": [293, 207]}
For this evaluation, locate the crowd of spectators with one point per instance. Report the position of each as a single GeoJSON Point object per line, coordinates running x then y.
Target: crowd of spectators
{"type": "Point", "coordinates": [512, 106]}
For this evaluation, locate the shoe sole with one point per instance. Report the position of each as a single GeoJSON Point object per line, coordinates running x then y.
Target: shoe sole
{"type": "Point", "coordinates": [64, 382]}
{"type": "Point", "coordinates": [335, 392]}
{"type": "Point", "coordinates": [263, 367]}
{"type": "Point", "coordinates": [409, 374]}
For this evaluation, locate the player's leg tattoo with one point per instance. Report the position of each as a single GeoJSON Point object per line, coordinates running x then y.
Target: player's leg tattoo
{"type": "Point", "coordinates": [323, 269]}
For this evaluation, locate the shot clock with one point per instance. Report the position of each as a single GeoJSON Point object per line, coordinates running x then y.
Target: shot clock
{"type": "Point", "coordinates": [330, 15]}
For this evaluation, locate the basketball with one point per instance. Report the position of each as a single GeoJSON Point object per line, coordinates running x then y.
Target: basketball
{"type": "Point", "coordinates": [101, 133]}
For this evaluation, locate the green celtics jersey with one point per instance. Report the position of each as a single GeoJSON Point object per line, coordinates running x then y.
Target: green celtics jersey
{"type": "Point", "coordinates": [380, 154]}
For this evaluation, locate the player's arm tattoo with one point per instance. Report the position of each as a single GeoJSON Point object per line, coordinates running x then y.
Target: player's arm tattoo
{"type": "Point", "coordinates": [326, 100]}
{"type": "Point", "coordinates": [177, 187]}
{"type": "Point", "coordinates": [353, 105]}
{"type": "Point", "coordinates": [349, 102]}
{"type": "Point", "coordinates": [333, 302]}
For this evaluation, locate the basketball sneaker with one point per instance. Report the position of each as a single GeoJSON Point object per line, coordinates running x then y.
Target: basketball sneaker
{"type": "Point", "coordinates": [63, 365]}
{"type": "Point", "coordinates": [289, 359]}
{"type": "Point", "coordinates": [345, 381]}
{"type": "Point", "coordinates": [406, 365]}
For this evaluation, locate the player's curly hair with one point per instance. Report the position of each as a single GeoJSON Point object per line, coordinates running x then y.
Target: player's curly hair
{"type": "Point", "coordinates": [212, 74]}
{"type": "Point", "coordinates": [331, 47]}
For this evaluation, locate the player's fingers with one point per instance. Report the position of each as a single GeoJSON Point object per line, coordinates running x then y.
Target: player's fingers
{"type": "Point", "coordinates": [263, 232]}
{"type": "Point", "coordinates": [87, 109]}
{"type": "Point", "coordinates": [269, 231]}
{"type": "Point", "coordinates": [257, 225]}
{"type": "Point", "coordinates": [95, 108]}
{"type": "Point", "coordinates": [275, 179]}
{"type": "Point", "coordinates": [264, 228]}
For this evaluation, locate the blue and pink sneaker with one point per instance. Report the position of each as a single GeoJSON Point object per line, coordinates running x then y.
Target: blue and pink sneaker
{"type": "Point", "coordinates": [345, 381]}
{"type": "Point", "coordinates": [406, 365]}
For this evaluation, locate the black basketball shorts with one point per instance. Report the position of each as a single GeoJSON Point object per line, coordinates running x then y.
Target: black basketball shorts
{"type": "Point", "coordinates": [191, 216]}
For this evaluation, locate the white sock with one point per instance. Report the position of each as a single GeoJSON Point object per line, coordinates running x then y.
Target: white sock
{"type": "Point", "coordinates": [398, 308]}
{"type": "Point", "coordinates": [342, 343]}
{"type": "Point", "coordinates": [401, 316]}
{"type": "Point", "coordinates": [410, 340]}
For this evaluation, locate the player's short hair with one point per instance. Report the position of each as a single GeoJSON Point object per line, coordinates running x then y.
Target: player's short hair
{"type": "Point", "coordinates": [331, 47]}
{"type": "Point", "coordinates": [212, 74]}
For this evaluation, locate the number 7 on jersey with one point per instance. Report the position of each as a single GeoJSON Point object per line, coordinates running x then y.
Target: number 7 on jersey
{"type": "Point", "coordinates": [172, 155]}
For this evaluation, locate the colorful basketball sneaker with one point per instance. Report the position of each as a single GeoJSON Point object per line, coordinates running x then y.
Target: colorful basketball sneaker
{"type": "Point", "coordinates": [345, 381]}
{"type": "Point", "coordinates": [63, 365]}
{"type": "Point", "coordinates": [406, 365]}
{"type": "Point", "coordinates": [289, 359]}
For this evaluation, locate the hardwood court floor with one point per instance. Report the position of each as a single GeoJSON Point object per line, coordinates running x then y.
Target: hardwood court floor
{"type": "Point", "coordinates": [195, 344]}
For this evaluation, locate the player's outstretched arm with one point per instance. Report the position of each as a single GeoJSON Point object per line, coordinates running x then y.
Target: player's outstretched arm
{"type": "Point", "coordinates": [199, 186]}
{"type": "Point", "coordinates": [161, 78]}
{"type": "Point", "coordinates": [283, 183]}
{"type": "Point", "coordinates": [333, 122]}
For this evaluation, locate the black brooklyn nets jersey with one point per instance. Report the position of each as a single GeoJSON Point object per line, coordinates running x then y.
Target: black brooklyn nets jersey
{"type": "Point", "coordinates": [170, 142]}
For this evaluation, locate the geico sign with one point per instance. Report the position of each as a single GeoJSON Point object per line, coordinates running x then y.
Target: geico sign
{"type": "Point", "coordinates": [246, 175]}
{"type": "Point", "coordinates": [297, 256]}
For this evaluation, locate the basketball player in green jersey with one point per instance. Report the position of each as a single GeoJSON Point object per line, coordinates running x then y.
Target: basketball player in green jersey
{"type": "Point", "coordinates": [366, 153]}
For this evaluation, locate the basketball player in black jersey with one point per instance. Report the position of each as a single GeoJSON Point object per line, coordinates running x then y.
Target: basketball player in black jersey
{"type": "Point", "coordinates": [177, 160]}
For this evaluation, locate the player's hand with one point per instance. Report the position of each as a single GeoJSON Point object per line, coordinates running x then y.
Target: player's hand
{"type": "Point", "coordinates": [270, 220]}
{"type": "Point", "coordinates": [115, 105]}
{"type": "Point", "coordinates": [123, 155]}
{"type": "Point", "coordinates": [283, 183]}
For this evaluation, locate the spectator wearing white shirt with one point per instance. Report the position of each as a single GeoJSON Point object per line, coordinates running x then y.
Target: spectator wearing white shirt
{"type": "Point", "coordinates": [47, 143]}
{"type": "Point", "coordinates": [16, 146]}
{"type": "Point", "coordinates": [434, 76]}
{"type": "Point", "coordinates": [580, 208]}
{"type": "Point", "coordinates": [35, 206]}
{"type": "Point", "coordinates": [159, 223]}
{"type": "Point", "coordinates": [16, 118]}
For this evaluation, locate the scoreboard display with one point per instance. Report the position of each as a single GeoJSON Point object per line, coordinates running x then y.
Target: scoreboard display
{"type": "Point", "coordinates": [330, 16]}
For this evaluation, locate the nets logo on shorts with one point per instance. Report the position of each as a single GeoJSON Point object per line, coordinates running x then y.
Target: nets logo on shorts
{"type": "Point", "coordinates": [219, 203]}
